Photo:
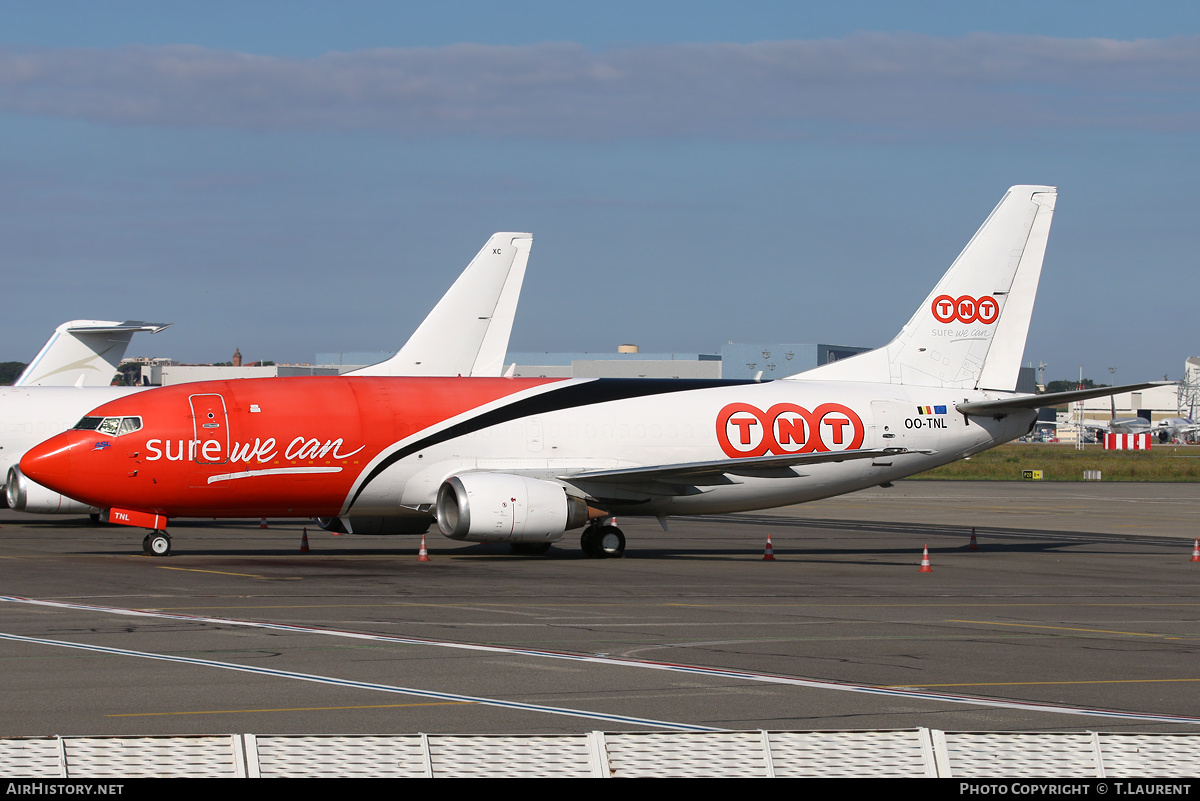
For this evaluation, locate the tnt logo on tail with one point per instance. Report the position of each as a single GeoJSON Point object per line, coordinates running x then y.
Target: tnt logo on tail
{"type": "Point", "coordinates": [966, 309]}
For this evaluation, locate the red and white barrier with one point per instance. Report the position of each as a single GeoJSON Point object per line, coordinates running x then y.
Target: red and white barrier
{"type": "Point", "coordinates": [1127, 442]}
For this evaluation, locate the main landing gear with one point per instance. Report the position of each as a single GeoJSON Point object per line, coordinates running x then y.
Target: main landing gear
{"type": "Point", "coordinates": [156, 543]}
{"type": "Point", "coordinates": [600, 541]}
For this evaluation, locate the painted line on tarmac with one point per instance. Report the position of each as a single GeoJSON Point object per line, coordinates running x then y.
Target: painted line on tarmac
{"type": "Point", "coordinates": [1052, 683]}
{"type": "Point", "coordinates": [216, 572]}
{"type": "Point", "coordinates": [360, 685]}
{"type": "Point", "coordinates": [767, 678]}
{"type": "Point", "coordinates": [286, 709]}
{"type": "Point", "coordinates": [1060, 628]}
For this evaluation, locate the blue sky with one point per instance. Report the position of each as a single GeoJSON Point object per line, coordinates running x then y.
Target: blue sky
{"type": "Point", "coordinates": [288, 178]}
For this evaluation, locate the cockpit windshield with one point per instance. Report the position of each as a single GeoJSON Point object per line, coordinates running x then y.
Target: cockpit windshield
{"type": "Point", "coordinates": [112, 426]}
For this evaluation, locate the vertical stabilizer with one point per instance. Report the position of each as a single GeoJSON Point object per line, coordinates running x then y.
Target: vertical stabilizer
{"type": "Point", "coordinates": [969, 333]}
{"type": "Point", "coordinates": [467, 332]}
{"type": "Point", "coordinates": [83, 353]}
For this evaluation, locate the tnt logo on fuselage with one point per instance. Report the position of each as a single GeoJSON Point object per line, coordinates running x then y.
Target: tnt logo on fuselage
{"type": "Point", "coordinates": [966, 309]}
{"type": "Point", "coordinates": [744, 430]}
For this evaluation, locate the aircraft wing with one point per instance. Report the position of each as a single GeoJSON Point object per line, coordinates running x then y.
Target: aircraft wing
{"type": "Point", "coordinates": [83, 353]}
{"type": "Point", "coordinates": [758, 466]}
{"type": "Point", "coordinates": [1003, 406]}
{"type": "Point", "coordinates": [467, 332]}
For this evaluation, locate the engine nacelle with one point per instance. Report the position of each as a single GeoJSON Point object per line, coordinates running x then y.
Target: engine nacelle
{"type": "Point", "coordinates": [24, 495]}
{"type": "Point", "coordinates": [383, 526]}
{"type": "Point", "coordinates": [498, 507]}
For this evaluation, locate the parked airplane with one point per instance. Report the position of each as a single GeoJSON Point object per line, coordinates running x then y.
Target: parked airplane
{"type": "Point", "coordinates": [466, 334]}
{"type": "Point", "coordinates": [83, 353]}
{"type": "Point", "coordinates": [526, 460]}
{"type": "Point", "coordinates": [1164, 430]}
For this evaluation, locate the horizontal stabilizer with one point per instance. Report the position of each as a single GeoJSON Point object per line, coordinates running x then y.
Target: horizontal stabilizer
{"type": "Point", "coordinates": [751, 466]}
{"type": "Point", "coordinates": [1005, 405]}
{"type": "Point", "coordinates": [98, 327]}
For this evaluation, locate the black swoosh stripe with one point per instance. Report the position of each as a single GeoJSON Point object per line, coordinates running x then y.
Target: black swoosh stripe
{"type": "Point", "coordinates": [586, 394]}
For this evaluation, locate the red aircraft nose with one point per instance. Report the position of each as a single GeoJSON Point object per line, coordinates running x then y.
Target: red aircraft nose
{"type": "Point", "coordinates": [49, 463]}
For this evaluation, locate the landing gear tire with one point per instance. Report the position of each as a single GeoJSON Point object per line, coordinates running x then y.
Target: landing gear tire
{"type": "Point", "coordinates": [157, 543]}
{"type": "Point", "coordinates": [612, 542]}
{"type": "Point", "coordinates": [601, 542]}
{"type": "Point", "coordinates": [530, 548]}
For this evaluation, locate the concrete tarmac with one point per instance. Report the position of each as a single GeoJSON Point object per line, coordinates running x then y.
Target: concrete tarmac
{"type": "Point", "coordinates": [1078, 611]}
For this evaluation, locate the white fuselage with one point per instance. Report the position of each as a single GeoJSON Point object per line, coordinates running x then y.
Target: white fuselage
{"type": "Point", "coordinates": [774, 418]}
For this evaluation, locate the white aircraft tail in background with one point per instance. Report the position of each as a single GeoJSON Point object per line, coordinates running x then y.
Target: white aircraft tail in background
{"type": "Point", "coordinates": [83, 353]}
{"type": "Point", "coordinates": [467, 332]}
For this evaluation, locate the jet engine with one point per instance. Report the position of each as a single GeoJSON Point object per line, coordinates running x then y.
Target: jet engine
{"type": "Point", "coordinates": [29, 496]}
{"type": "Point", "coordinates": [497, 507]}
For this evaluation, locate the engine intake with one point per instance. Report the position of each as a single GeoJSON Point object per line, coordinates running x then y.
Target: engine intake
{"type": "Point", "coordinates": [498, 507]}
{"type": "Point", "coordinates": [25, 495]}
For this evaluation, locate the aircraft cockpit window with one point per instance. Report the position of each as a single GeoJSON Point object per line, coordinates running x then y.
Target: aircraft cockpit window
{"type": "Point", "coordinates": [112, 426]}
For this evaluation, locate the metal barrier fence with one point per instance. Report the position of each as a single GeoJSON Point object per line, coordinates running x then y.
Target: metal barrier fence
{"type": "Point", "coordinates": [911, 752]}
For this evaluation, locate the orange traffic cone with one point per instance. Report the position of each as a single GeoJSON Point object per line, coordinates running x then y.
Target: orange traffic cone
{"type": "Point", "coordinates": [423, 554]}
{"type": "Point", "coordinates": [974, 546]}
{"type": "Point", "coordinates": [1196, 551]}
{"type": "Point", "coordinates": [925, 566]}
{"type": "Point", "coordinates": [769, 555]}
{"type": "Point", "coordinates": [304, 541]}
{"type": "Point", "coordinates": [262, 523]}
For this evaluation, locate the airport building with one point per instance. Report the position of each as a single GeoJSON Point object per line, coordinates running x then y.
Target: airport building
{"type": "Point", "coordinates": [735, 360]}
{"type": "Point", "coordinates": [762, 361]}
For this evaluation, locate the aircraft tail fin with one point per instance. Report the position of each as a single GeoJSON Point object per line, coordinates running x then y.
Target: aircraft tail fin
{"type": "Point", "coordinates": [467, 332]}
{"type": "Point", "coordinates": [83, 353]}
{"type": "Point", "coordinates": [970, 332]}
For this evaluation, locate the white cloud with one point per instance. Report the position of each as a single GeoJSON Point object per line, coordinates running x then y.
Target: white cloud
{"type": "Point", "coordinates": [876, 82]}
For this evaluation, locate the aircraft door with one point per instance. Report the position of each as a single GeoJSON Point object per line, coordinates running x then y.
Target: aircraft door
{"type": "Point", "coordinates": [210, 425]}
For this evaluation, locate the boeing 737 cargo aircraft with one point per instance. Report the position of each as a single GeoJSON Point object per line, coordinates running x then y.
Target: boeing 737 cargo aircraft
{"type": "Point", "coordinates": [466, 334]}
{"type": "Point", "coordinates": [526, 460]}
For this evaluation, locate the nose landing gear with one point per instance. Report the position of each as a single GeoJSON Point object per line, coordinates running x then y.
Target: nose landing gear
{"type": "Point", "coordinates": [156, 543]}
